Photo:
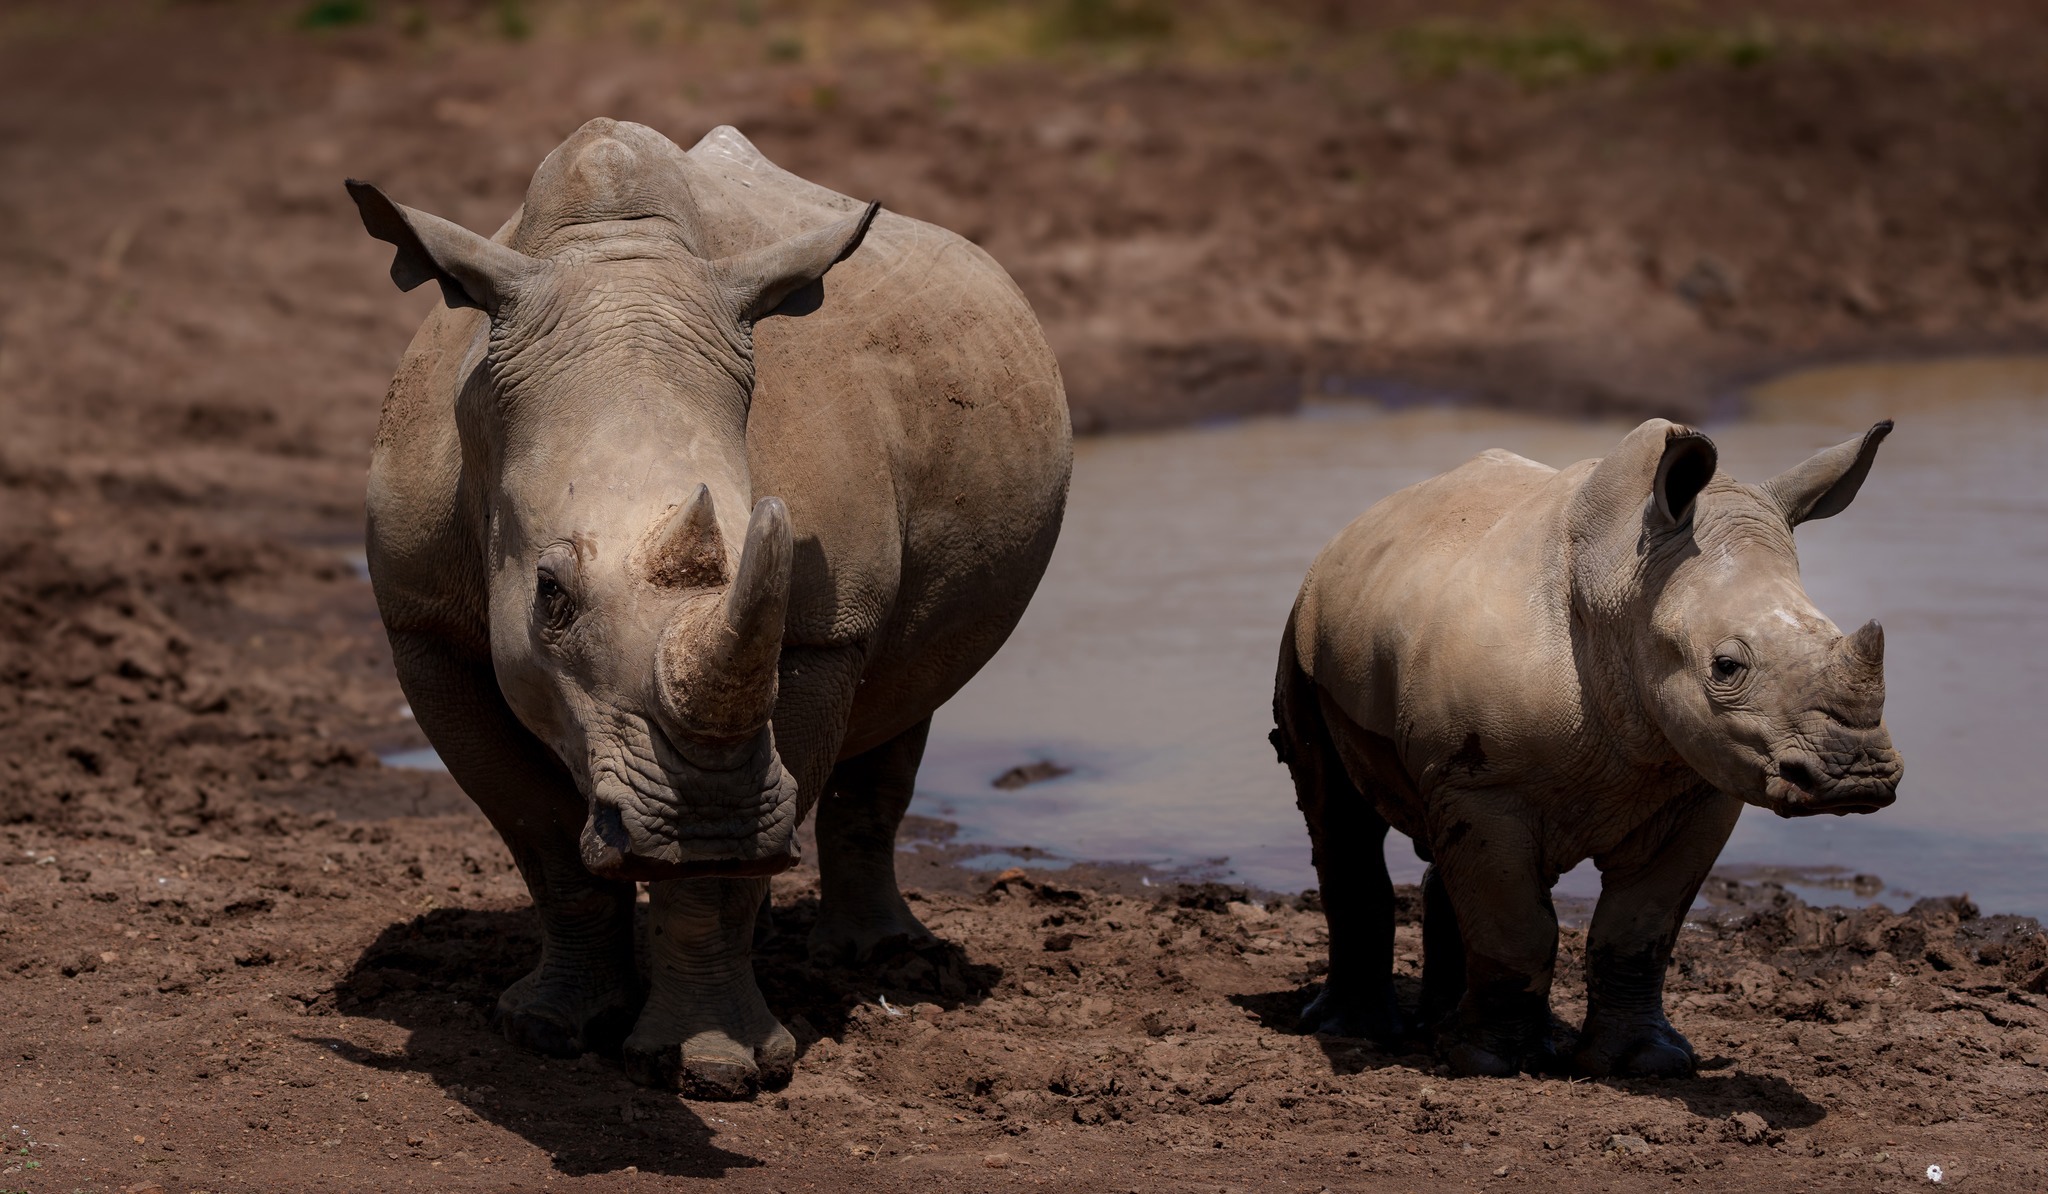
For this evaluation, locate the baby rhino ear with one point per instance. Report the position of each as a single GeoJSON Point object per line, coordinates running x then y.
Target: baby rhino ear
{"type": "Point", "coordinates": [760, 280]}
{"type": "Point", "coordinates": [474, 271]}
{"type": "Point", "coordinates": [1683, 471]}
{"type": "Point", "coordinates": [1825, 483]}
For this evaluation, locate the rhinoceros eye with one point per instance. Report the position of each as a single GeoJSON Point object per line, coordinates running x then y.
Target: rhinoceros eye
{"type": "Point", "coordinates": [1726, 667]}
{"type": "Point", "coordinates": [553, 602]}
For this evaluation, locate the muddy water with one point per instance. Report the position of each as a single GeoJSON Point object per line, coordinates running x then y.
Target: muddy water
{"type": "Point", "coordinates": [1146, 661]}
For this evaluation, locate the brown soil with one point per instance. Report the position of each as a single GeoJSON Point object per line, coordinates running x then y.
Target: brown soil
{"type": "Point", "coordinates": [302, 1003]}
{"type": "Point", "coordinates": [210, 980]}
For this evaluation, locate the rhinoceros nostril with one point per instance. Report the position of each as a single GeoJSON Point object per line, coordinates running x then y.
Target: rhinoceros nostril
{"type": "Point", "coordinates": [610, 828]}
{"type": "Point", "coordinates": [1796, 773]}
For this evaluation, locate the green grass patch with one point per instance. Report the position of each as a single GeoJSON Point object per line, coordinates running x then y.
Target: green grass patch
{"type": "Point", "coordinates": [514, 22]}
{"type": "Point", "coordinates": [335, 14]}
{"type": "Point", "coordinates": [1565, 52]}
{"type": "Point", "coordinates": [1104, 22]}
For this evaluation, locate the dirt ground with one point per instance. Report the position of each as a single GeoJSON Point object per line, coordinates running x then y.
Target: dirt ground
{"type": "Point", "coordinates": [301, 1003]}
{"type": "Point", "coordinates": [236, 953]}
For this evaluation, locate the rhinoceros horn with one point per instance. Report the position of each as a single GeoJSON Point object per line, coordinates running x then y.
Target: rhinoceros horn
{"type": "Point", "coordinates": [1867, 644]}
{"type": "Point", "coordinates": [717, 665]}
{"type": "Point", "coordinates": [688, 551]}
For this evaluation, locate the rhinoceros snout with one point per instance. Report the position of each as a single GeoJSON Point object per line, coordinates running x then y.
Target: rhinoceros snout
{"type": "Point", "coordinates": [1860, 778]}
{"type": "Point", "coordinates": [647, 825]}
{"type": "Point", "coordinates": [612, 851]}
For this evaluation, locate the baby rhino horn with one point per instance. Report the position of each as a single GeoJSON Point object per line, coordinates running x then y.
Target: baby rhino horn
{"type": "Point", "coordinates": [1867, 644]}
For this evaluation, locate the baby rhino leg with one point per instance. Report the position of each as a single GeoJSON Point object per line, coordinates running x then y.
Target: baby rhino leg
{"type": "Point", "coordinates": [1646, 888]}
{"type": "Point", "coordinates": [1348, 840]}
{"type": "Point", "coordinates": [1491, 879]}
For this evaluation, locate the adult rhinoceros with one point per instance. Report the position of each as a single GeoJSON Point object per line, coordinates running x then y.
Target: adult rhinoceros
{"type": "Point", "coordinates": [674, 542]}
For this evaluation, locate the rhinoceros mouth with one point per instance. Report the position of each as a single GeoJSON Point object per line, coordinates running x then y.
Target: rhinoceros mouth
{"type": "Point", "coordinates": [1801, 785]}
{"type": "Point", "coordinates": [653, 815]}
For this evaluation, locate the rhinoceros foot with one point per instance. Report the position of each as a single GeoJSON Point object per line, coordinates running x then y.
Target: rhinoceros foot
{"type": "Point", "coordinates": [877, 932]}
{"type": "Point", "coordinates": [1634, 1047]}
{"type": "Point", "coordinates": [1502, 1046]}
{"type": "Point", "coordinates": [565, 1012]}
{"type": "Point", "coordinates": [1344, 1010]}
{"type": "Point", "coordinates": [724, 1049]}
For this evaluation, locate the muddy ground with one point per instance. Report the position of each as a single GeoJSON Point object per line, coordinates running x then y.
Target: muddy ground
{"type": "Point", "coordinates": [238, 953]}
{"type": "Point", "coordinates": [300, 1002]}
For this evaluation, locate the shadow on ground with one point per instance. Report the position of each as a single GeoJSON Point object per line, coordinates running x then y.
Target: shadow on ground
{"type": "Point", "coordinates": [1710, 1094]}
{"type": "Point", "coordinates": [438, 975]}
{"type": "Point", "coordinates": [1280, 1011]}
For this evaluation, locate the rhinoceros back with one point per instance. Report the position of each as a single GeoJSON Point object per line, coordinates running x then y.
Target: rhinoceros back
{"type": "Point", "coordinates": [912, 415]}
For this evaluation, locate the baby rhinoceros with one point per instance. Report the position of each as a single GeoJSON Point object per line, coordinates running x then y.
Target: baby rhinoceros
{"type": "Point", "coordinates": [676, 537]}
{"type": "Point", "coordinates": [1520, 668]}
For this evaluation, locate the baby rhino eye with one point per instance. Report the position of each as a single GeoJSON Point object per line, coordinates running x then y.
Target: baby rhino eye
{"type": "Point", "coordinates": [552, 600]}
{"type": "Point", "coordinates": [1726, 668]}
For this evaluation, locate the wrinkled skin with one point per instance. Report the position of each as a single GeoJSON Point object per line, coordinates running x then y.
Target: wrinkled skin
{"type": "Point", "coordinates": [1521, 668]}
{"type": "Point", "coordinates": [707, 487]}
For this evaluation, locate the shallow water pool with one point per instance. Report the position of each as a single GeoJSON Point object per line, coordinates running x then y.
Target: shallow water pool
{"type": "Point", "coordinates": [1146, 661]}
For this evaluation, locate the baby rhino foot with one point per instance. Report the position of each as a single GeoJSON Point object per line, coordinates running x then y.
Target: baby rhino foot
{"type": "Point", "coordinates": [1634, 1047]}
{"type": "Point", "coordinates": [1500, 1048]}
{"type": "Point", "coordinates": [1342, 1011]}
{"type": "Point", "coordinates": [566, 1012]}
{"type": "Point", "coordinates": [725, 1050]}
{"type": "Point", "coordinates": [847, 936]}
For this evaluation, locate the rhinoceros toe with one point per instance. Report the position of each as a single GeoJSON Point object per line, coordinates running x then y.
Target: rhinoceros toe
{"type": "Point", "coordinates": [1634, 1048]}
{"type": "Point", "coordinates": [1505, 1045]}
{"type": "Point", "coordinates": [868, 935]}
{"type": "Point", "coordinates": [562, 1016]}
{"type": "Point", "coordinates": [712, 1064]}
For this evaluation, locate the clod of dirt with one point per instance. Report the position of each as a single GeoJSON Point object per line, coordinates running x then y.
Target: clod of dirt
{"type": "Point", "coordinates": [1627, 1144]}
{"type": "Point", "coordinates": [1748, 1127]}
{"type": "Point", "coordinates": [1210, 897]}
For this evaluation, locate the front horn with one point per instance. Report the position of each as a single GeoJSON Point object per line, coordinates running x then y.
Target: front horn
{"type": "Point", "coordinates": [718, 666]}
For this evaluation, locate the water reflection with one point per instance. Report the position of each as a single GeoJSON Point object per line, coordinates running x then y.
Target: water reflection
{"type": "Point", "coordinates": [1146, 661]}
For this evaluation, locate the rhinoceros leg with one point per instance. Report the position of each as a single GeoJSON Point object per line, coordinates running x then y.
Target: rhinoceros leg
{"type": "Point", "coordinates": [861, 913]}
{"type": "Point", "coordinates": [1443, 949]}
{"type": "Point", "coordinates": [585, 992]}
{"type": "Point", "coordinates": [1347, 842]}
{"type": "Point", "coordinates": [706, 1030]}
{"type": "Point", "coordinates": [1646, 887]}
{"type": "Point", "coordinates": [1489, 868]}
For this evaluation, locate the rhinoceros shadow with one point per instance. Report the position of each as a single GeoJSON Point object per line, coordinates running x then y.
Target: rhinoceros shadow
{"type": "Point", "coordinates": [439, 974]}
{"type": "Point", "coordinates": [1712, 1094]}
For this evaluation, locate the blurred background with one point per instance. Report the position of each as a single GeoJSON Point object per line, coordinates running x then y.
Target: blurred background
{"type": "Point", "coordinates": [1292, 256]}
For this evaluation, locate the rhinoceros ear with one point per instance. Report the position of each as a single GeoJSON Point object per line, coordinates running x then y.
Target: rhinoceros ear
{"type": "Point", "coordinates": [1825, 484]}
{"type": "Point", "coordinates": [760, 280]}
{"type": "Point", "coordinates": [474, 271]}
{"type": "Point", "coordinates": [1683, 471]}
